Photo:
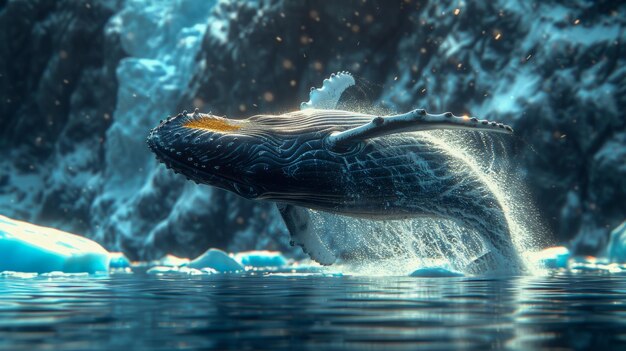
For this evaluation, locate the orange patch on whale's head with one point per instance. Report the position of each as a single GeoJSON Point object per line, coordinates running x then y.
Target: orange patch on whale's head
{"type": "Point", "coordinates": [212, 123]}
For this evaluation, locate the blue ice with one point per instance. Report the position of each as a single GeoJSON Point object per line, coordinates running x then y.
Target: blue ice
{"type": "Point", "coordinates": [261, 259]}
{"type": "Point", "coordinates": [216, 259]}
{"type": "Point", "coordinates": [26, 247]}
{"type": "Point", "coordinates": [617, 244]}
{"type": "Point", "coordinates": [119, 260]}
{"type": "Point", "coordinates": [552, 257]}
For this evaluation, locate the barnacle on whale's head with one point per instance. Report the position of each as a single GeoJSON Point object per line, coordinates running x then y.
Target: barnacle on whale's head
{"type": "Point", "coordinates": [206, 149]}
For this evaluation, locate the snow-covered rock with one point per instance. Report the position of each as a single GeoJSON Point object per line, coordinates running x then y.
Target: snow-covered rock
{"type": "Point", "coordinates": [434, 272]}
{"type": "Point", "coordinates": [216, 259]}
{"type": "Point", "coordinates": [617, 244]}
{"type": "Point", "coordinates": [261, 258]}
{"type": "Point", "coordinates": [137, 199]}
{"type": "Point", "coordinates": [26, 247]}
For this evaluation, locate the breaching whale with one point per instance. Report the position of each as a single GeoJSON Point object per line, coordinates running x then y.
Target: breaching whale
{"type": "Point", "coordinates": [341, 162]}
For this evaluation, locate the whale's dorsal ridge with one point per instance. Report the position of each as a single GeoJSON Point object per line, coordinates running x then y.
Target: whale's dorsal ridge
{"type": "Point", "coordinates": [327, 97]}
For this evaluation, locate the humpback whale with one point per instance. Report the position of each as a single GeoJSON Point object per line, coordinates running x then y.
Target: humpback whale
{"type": "Point", "coordinates": [359, 165]}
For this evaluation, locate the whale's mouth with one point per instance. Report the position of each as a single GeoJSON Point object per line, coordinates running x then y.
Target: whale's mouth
{"type": "Point", "coordinates": [199, 173]}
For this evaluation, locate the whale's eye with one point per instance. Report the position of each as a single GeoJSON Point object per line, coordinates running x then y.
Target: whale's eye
{"type": "Point", "coordinates": [211, 123]}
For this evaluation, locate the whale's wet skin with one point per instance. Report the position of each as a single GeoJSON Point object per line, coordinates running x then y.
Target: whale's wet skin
{"type": "Point", "coordinates": [325, 162]}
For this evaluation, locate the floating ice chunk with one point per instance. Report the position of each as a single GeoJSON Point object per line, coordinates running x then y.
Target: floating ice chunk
{"type": "Point", "coordinates": [58, 274]}
{"type": "Point", "coordinates": [435, 272]}
{"type": "Point", "coordinates": [552, 257]}
{"type": "Point", "coordinates": [26, 247]}
{"type": "Point", "coordinates": [171, 261]}
{"type": "Point", "coordinates": [216, 259]}
{"type": "Point", "coordinates": [208, 270]}
{"type": "Point", "coordinates": [119, 260]}
{"type": "Point", "coordinates": [594, 264]}
{"type": "Point", "coordinates": [261, 258]}
{"type": "Point", "coordinates": [162, 270]}
{"type": "Point", "coordinates": [617, 244]}
{"type": "Point", "coordinates": [169, 270]}
{"type": "Point", "coordinates": [10, 274]}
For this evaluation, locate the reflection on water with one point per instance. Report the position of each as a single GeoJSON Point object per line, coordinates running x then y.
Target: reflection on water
{"type": "Point", "coordinates": [133, 312]}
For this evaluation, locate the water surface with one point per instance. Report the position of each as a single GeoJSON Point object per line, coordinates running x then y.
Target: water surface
{"type": "Point", "coordinates": [135, 311]}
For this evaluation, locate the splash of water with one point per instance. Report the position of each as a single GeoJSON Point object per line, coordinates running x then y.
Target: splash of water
{"type": "Point", "coordinates": [488, 157]}
{"type": "Point", "coordinates": [399, 247]}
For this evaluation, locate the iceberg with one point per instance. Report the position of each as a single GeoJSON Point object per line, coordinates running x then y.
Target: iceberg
{"type": "Point", "coordinates": [261, 258]}
{"type": "Point", "coordinates": [617, 244]}
{"type": "Point", "coordinates": [170, 261]}
{"type": "Point", "coordinates": [118, 260]}
{"type": "Point", "coordinates": [216, 259]}
{"type": "Point", "coordinates": [435, 272]}
{"type": "Point", "coordinates": [25, 247]}
{"type": "Point", "coordinates": [169, 270]}
{"type": "Point", "coordinates": [552, 257]}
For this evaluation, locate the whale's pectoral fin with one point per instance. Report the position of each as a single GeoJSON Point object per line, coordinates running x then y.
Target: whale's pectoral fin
{"type": "Point", "coordinates": [414, 121]}
{"type": "Point", "coordinates": [326, 97]}
{"type": "Point", "coordinates": [302, 233]}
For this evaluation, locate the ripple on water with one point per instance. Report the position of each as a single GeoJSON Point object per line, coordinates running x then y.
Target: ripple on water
{"type": "Point", "coordinates": [312, 312]}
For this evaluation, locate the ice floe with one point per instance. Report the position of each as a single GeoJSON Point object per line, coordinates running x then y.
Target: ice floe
{"type": "Point", "coordinates": [552, 257]}
{"type": "Point", "coordinates": [617, 244]}
{"type": "Point", "coordinates": [261, 258]}
{"type": "Point", "coordinates": [119, 261]}
{"type": "Point", "coordinates": [26, 247]}
{"type": "Point", "coordinates": [216, 259]}
{"type": "Point", "coordinates": [169, 270]}
{"type": "Point", "coordinates": [171, 261]}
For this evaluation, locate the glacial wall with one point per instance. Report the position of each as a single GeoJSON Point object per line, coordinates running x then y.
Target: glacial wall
{"type": "Point", "coordinates": [58, 88]}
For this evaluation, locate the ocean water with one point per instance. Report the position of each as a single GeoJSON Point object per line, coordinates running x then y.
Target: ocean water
{"type": "Point", "coordinates": [273, 312]}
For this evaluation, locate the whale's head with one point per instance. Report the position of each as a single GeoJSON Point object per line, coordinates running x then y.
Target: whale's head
{"type": "Point", "coordinates": [256, 158]}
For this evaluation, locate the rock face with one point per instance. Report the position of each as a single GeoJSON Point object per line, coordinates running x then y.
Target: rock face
{"type": "Point", "coordinates": [81, 85]}
{"type": "Point", "coordinates": [557, 77]}
{"type": "Point", "coordinates": [57, 82]}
